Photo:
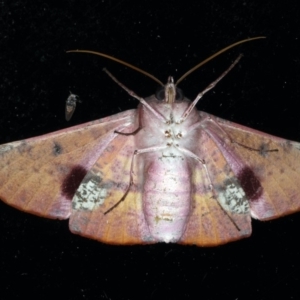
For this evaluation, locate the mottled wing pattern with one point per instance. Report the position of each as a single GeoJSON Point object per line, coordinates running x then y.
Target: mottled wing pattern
{"type": "Point", "coordinates": [220, 210]}
{"type": "Point", "coordinates": [40, 175]}
{"type": "Point", "coordinates": [251, 173]}
{"type": "Point", "coordinates": [275, 163]}
{"type": "Point", "coordinates": [272, 174]}
{"type": "Point", "coordinates": [103, 186]}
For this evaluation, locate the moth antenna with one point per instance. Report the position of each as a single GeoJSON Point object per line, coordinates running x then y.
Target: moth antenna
{"type": "Point", "coordinates": [120, 62]}
{"type": "Point", "coordinates": [153, 77]}
{"type": "Point", "coordinates": [215, 55]}
{"type": "Point", "coordinates": [134, 95]}
{"type": "Point", "coordinates": [208, 88]}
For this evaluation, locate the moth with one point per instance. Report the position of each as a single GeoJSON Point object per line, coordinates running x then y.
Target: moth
{"type": "Point", "coordinates": [71, 105]}
{"type": "Point", "coordinates": [164, 172]}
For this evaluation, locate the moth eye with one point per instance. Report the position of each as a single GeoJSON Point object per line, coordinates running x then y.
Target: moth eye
{"type": "Point", "coordinates": [160, 94]}
{"type": "Point", "coordinates": [179, 94]}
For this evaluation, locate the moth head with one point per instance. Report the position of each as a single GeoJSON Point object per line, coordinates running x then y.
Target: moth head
{"type": "Point", "coordinates": [169, 93]}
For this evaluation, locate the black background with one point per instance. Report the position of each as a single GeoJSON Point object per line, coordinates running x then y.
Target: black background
{"type": "Point", "coordinates": [40, 258]}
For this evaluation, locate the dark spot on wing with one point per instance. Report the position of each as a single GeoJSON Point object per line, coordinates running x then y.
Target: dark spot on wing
{"type": "Point", "coordinates": [250, 184]}
{"type": "Point", "coordinates": [72, 181]}
{"type": "Point", "coordinates": [57, 149]}
{"type": "Point", "coordinates": [264, 149]}
{"type": "Point", "coordinates": [24, 147]}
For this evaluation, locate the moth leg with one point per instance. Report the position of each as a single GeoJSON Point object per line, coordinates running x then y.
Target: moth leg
{"type": "Point", "coordinates": [208, 88]}
{"type": "Point", "coordinates": [130, 133]}
{"type": "Point", "coordinates": [226, 136]}
{"type": "Point", "coordinates": [134, 95]}
{"type": "Point", "coordinates": [202, 161]}
{"type": "Point", "coordinates": [136, 152]}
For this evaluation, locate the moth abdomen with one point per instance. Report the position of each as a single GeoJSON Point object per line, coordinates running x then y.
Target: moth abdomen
{"type": "Point", "coordinates": [167, 199]}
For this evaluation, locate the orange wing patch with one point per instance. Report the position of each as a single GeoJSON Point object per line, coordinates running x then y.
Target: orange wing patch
{"type": "Point", "coordinates": [34, 172]}
{"type": "Point", "coordinates": [220, 209]}
{"type": "Point", "coordinates": [273, 168]}
{"type": "Point", "coordinates": [103, 186]}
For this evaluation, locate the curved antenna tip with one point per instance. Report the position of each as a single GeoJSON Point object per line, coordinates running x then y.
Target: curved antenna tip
{"type": "Point", "coordinates": [216, 54]}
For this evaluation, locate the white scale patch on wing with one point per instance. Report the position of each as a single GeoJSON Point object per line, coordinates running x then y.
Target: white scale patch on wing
{"type": "Point", "coordinates": [89, 195]}
{"type": "Point", "coordinates": [233, 199]}
{"type": "Point", "coordinates": [6, 148]}
{"type": "Point", "coordinates": [296, 145]}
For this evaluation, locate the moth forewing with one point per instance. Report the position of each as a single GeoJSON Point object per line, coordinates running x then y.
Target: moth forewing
{"type": "Point", "coordinates": [275, 163]}
{"type": "Point", "coordinates": [40, 175]}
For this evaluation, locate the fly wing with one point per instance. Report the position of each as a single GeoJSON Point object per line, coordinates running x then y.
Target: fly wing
{"type": "Point", "coordinates": [71, 106]}
{"type": "Point", "coordinates": [267, 167]}
{"type": "Point", "coordinates": [219, 209]}
{"type": "Point", "coordinates": [40, 175]}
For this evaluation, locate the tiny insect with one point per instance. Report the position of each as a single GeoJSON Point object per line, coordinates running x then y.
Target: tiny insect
{"type": "Point", "coordinates": [164, 172]}
{"type": "Point", "coordinates": [71, 105]}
